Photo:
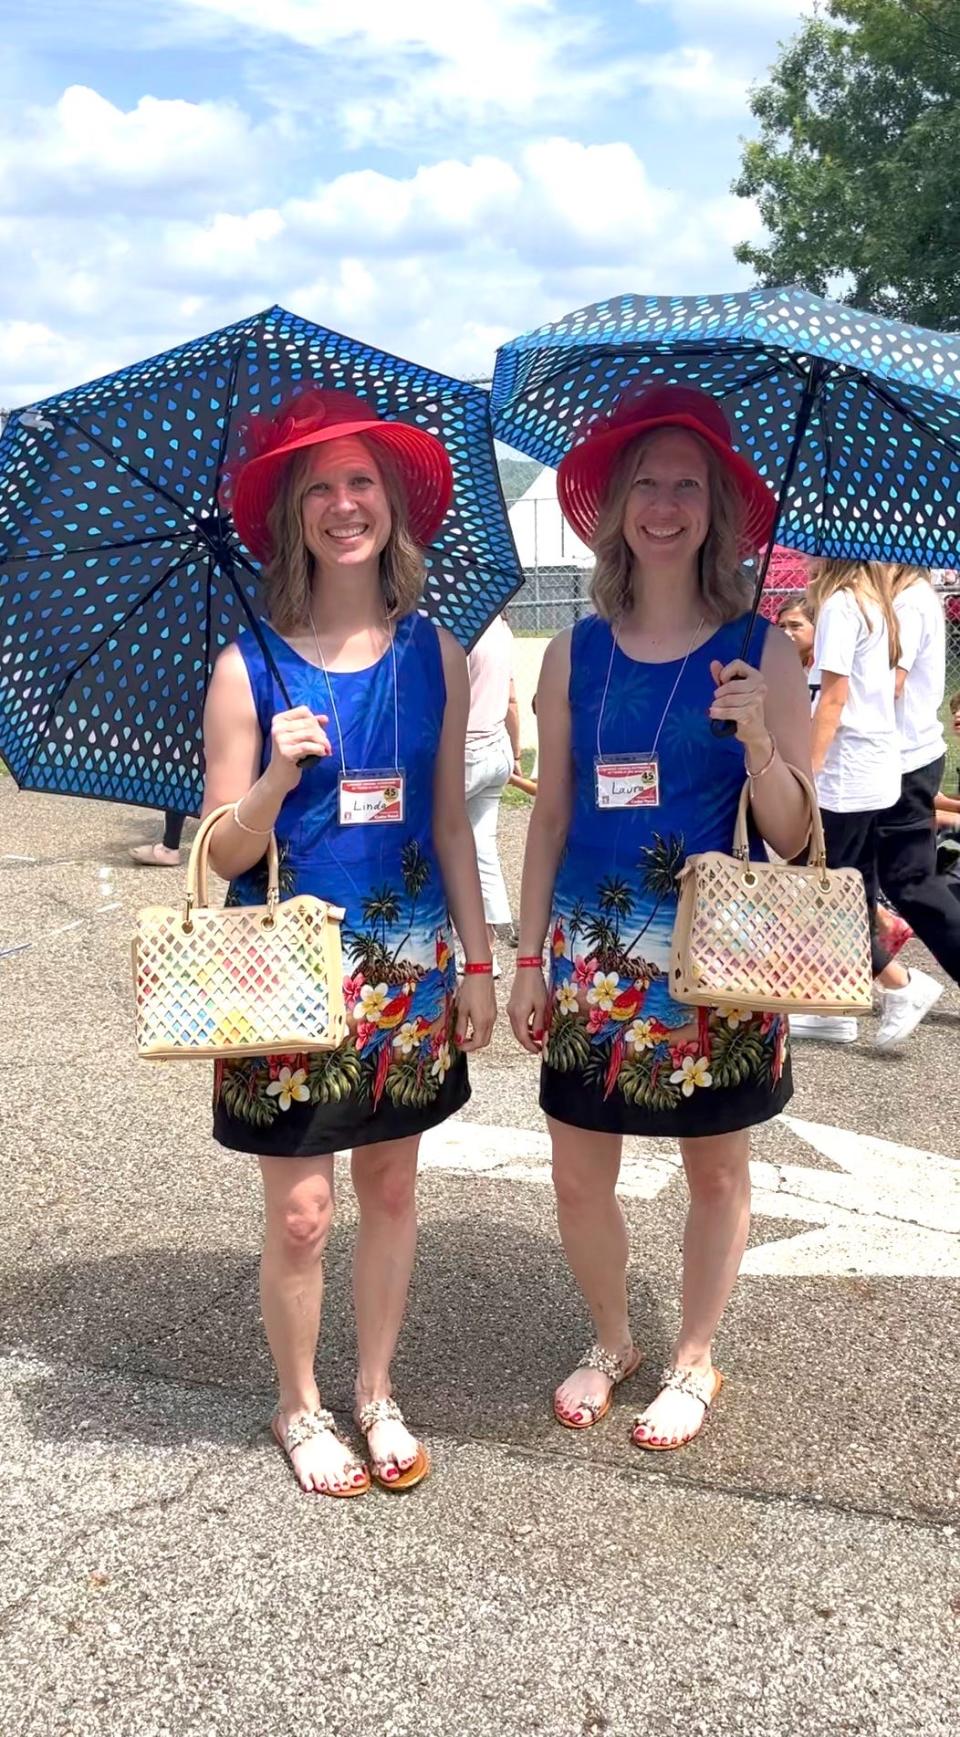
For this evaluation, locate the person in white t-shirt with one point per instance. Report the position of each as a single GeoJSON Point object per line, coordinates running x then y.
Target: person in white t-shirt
{"type": "Point", "coordinates": [492, 753]}
{"type": "Point", "coordinates": [906, 833]}
{"type": "Point", "coordinates": [856, 754]}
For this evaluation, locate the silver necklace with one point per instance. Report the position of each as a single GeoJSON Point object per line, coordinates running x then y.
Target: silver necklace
{"type": "Point", "coordinates": [614, 642]}
{"type": "Point", "coordinates": [388, 629]}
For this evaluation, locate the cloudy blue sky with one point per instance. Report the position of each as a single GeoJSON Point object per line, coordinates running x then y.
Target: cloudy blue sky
{"type": "Point", "coordinates": [432, 175]}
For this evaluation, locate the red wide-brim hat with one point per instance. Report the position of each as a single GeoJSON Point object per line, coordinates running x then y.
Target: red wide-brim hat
{"type": "Point", "coordinates": [584, 474]}
{"type": "Point", "coordinates": [316, 416]}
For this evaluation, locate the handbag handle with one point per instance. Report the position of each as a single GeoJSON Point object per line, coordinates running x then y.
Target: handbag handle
{"type": "Point", "coordinates": [741, 845]}
{"type": "Point", "coordinates": [197, 895]}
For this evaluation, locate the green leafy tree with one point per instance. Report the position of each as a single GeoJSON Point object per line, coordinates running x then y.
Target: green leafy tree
{"type": "Point", "coordinates": [857, 163]}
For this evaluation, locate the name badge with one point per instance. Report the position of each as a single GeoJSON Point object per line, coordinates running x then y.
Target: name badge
{"type": "Point", "coordinates": [627, 781]}
{"type": "Point", "coordinates": [371, 798]}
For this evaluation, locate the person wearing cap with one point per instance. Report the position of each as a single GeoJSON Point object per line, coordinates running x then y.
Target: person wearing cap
{"type": "Point", "coordinates": [633, 779]}
{"type": "Point", "coordinates": [361, 780]}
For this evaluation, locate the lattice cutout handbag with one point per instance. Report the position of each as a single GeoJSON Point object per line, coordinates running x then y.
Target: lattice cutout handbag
{"type": "Point", "coordinates": [241, 981]}
{"type": "Point", "coordinates": [768, 936]}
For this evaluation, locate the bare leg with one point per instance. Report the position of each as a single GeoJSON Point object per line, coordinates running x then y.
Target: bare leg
{"type": "Point", "coordinates": [384, 1179]}
{"type": "Point", "coordinates": [718, 1222]}
{"type": "Point", "coordinates": [299, 1204]}
{"type": "Point", "coordinates": [594, 1237]}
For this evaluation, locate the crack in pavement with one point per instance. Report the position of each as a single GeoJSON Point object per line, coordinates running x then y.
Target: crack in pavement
{"type": "Point", "coordinates": [927, 1520]}
{"type": "Point", "coordinates": [115, 1516]}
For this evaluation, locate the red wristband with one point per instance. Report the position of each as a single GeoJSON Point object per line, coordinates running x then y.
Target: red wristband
{"type": "Point", "coordinates": [531, 962]}
{"type": "Point", "coordinates": [478, 970]}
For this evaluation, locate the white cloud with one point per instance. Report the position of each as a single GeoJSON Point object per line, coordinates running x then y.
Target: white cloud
{"type": "Point", "coordinates": [440, 264]}
{"type": "Point", "coordinates": [84, 146]}
{"type": "Point", "coordinates": [408, 71]}
{"type": "Point", "coordinates": [696, 75]}
{"type": "Point", "coordinates": [768, 12]}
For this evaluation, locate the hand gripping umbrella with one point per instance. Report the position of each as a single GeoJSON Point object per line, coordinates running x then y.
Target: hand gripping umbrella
{"type": "Point", "coordinates": [121, 579]}
{"type": "Point", "coordinates": [854, 421]}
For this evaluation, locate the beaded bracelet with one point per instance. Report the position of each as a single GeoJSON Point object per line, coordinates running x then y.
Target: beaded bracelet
{"type": "Point", "coordinates": [530, 962]}
{"type": "Point", "coordinates": [485, 970]}
{"type": "Point", "coordinates": [254, 831]}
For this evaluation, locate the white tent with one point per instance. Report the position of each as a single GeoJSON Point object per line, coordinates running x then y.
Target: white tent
{"type": "Point", "coordinates": [540, 531]}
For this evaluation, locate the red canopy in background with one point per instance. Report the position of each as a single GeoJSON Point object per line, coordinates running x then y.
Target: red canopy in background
{"type": "Point", "coordinates": [788, 571]}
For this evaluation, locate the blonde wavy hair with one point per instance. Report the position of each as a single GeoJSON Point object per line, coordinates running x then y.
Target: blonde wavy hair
{"type": "Point", "coordinates": [901, 577]}
{"type": "Point", "coordinates": [725, 586]}
{"type": "Point", "coordinates": [870, 584]}
{"type": "Point", "coordinates": [288, 575]}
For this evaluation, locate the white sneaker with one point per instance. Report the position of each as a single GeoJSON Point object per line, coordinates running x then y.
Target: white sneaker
{"type": "Point", "coordinates": [826, 1027]}
{"type": "Point", "coordinates": [901, 1010]}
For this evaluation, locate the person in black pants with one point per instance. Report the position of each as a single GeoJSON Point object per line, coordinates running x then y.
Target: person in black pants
{"type": "Point", "coordinates": [906, 833]}
{"type": "Point", "coordinates": [165, 852]}
{"type": "Point", "coordinates": [858, 750]}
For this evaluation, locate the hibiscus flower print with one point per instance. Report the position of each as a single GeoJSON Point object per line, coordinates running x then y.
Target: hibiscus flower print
{"type": "Point", "coordinates": [366, 1029]}
{"type": "Point", "coordinates": [680, 1051]}
{"type": "Point", "coordinates": [583, 970]}
{"type": "Point", "coordinates": [352, 987]}
{"type": "Point", "coordinates": [289, 1087]}
{"type": "Point", "coordinates": [691, 1075]}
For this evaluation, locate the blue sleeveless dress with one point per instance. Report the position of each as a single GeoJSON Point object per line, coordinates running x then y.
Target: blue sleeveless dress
{"type": "Point", "coordinates": [399, 1071]}
{"type": "Point", "coordinates": [622, 1056]}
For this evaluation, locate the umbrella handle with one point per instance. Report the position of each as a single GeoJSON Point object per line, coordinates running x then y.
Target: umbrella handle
{"type": "Point", "coordinates": [815, 375]}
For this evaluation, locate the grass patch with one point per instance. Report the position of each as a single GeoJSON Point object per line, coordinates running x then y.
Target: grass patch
{"type": "Point", "coordinates": [512, 798]}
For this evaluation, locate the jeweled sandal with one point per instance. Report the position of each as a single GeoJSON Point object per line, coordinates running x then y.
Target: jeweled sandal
{"type": "Point", "coordinates": [616, 1369]}
{"type": "Point", "coordinates": [388, 1411]}
{"type": "Point", "coordinates": [696, 1385]}
{"type": "Point", "coordinates": [314, 1423]}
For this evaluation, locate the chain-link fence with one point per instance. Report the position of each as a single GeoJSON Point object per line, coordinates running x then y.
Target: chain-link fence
{"type": "Point", "coordinates": [549, 599]}
{"type": "Point", "coordinates": [552, 598]}
{"type": "Point", "coordinates": [951, 602]}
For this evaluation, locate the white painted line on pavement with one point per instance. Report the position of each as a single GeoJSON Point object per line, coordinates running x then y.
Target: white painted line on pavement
{"type": "Point", "coordinates": [888, 1210]}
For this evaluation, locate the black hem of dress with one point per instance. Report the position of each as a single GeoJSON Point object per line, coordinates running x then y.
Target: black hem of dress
{"type": "Point", "coordinates": [748, 1107]}
{"type": "Point", "coordinates": [387, 1123]}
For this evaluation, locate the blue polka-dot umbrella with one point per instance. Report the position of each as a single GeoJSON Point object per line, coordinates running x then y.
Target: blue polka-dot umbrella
{"type": "Point", "coordinates": [120, 579]}
{"type": "Point", "coordinates": [854, 421]}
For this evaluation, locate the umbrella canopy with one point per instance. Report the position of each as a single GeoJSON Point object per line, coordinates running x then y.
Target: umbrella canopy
{"type": "Point", "coordinates": [853, 419]}
{"type": "Point", "coordinates": [121, 579]}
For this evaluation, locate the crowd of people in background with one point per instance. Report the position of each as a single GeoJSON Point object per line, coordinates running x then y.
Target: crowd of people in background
{"type": "Point", "coordinates": [872, 641]}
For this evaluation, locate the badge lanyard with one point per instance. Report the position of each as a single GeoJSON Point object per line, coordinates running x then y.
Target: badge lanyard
{"type": "Point", "coordinates": [368, 797]}
{"type": "Point", "coordinates": [632, 780]}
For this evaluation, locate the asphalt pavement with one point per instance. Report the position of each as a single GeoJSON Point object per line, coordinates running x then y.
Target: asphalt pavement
{"type": "Point", "coordinates": [795, 1571]}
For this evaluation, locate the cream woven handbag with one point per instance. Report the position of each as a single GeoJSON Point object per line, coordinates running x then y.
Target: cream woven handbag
{"type": "Point", "coordinates": [768, 936]}
{"type": "Point", "coordinates": [241, 981]}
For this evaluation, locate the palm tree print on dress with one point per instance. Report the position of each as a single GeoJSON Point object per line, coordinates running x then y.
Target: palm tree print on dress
{"type": "Point", "coordinates": [401, 1016]}
{"type": "Point", "coordinates": [599, 1021]}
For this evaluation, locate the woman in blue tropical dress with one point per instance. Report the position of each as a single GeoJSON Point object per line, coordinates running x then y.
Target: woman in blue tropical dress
{"type": "Point", "coordinates": [632, 781]}
{"type": "Point", "coordinates": [350, 776]}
